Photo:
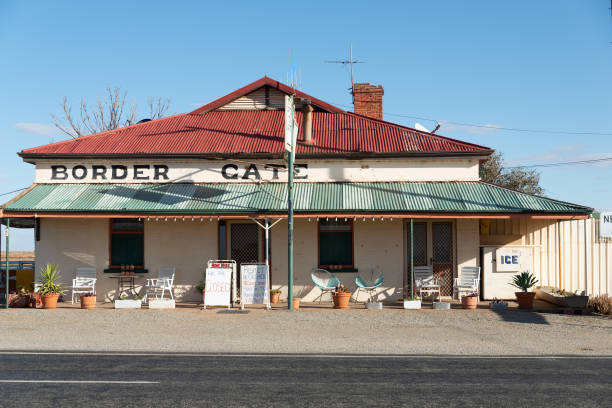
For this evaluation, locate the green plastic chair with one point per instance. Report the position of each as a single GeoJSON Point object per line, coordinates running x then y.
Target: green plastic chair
{"type": "Point", "coordinates": [324, 280]}
{"type": "Point", "coordinates": [369, 288]}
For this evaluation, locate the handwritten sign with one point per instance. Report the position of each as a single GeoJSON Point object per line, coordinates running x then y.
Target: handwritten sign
{"type": "Point", "coordinates": [218, 286]}
{"type": "Point", "coordinates": [254, 284]}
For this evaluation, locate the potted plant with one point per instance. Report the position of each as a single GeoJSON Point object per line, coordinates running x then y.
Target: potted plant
{"type": "Point", "coordinates": [341, 297]}
{"type": "Point", "coordinates": [372, 304]}
{"type": "Point", "coordinates": [296, 303]}
{"type": "Point", "coordinates": [49, 289]}
{"type": "Point", "coordinates": [497, 304]}
{"type": "Point", "coordinates": [201, 286]}
{"type": "Point", "coordinates": [524, 281]}
{"type": "Point", "coordinates": [125, 303]}
{"type": "Point", "coordinates": [88, 300]}
{"type": "Point", "coordinates": [275, 295]}
{"type": "Point", "coordinates": [412, 303]}
{"type": "Point", "coordinates": [469, 301]}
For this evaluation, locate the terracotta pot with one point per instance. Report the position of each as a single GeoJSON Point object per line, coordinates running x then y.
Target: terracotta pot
{"type": "Point", "coordinates": [341, 300]}
{"type": "Point", "coordinates": [469, 302]}
{"type": "Point", "coordinates": [274, 297]}
{"type": "Point", "coordinates": [525, 299]}
{"type": "Point", "coordinates": [296, 303]}
{"type": "Point", "coordinates": [88, 302]}
{"type": "Point", "coordinates": [203, 297]}
{"type": "Point", "coordinates": [49, 300]}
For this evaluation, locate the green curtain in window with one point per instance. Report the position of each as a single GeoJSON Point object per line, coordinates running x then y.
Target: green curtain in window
{"type": "Point", "coordinates": [127, 249]}
{"type": "Point", "coordinates": [336, 248]}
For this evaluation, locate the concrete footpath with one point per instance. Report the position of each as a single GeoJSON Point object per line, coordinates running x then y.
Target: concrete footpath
{"type": "Point", "coordinates": [310, 331]}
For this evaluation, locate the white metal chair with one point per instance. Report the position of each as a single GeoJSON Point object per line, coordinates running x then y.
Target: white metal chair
{"type": "Point", "coordinates": [84, 281]}
{"type": "Point", "coordinates": [324, 280]}
{"type": "Point", "coordinates": [158, 286]}
{"type": "Point", "coordinates": [425, 282]}
{"type": "Point", "coordinates": [467, 282]}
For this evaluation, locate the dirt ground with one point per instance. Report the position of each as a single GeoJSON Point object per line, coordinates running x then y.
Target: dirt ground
{"type": "Point", "coordinates": [311, 330]}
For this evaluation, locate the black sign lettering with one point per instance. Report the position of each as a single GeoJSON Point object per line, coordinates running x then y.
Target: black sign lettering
{"type": "Point", "coordinates": [98, 171]}
{"type": "Point", "coordinates": [83, 170]}
{"type": "Point", "coordinates": [275, 168]}
{"type": "Point", "coordinates": [59, 173]}
{"type": "Point", "coordinates": [139, 171]}
{"type": "Point", "coordinates": [115, 172]}
{"type": "Point", "coordinates": [297, 173]}
{"type": "Point", "coordinates": [229, 176]}
{"type": "Point", "coordinates": [251, 170]}
{"type": "Point", "coordinates": [161, 170]}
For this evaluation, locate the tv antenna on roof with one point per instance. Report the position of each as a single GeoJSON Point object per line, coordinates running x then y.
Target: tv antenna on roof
{"type": "Point", "coordinates": [350, 63]}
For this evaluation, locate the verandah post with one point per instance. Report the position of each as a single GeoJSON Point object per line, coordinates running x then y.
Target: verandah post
{"type": "Point", "coordinates": [6, 282]}
{"type": "Point", "coordinates": [411, 259]}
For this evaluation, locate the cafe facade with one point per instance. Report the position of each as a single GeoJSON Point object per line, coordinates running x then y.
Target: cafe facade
{"type": "Point", "coordinates": [186, 189]}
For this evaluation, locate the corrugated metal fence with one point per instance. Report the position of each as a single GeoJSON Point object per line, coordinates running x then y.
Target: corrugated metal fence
{"type": "Point", "coordinates": [560, 256]}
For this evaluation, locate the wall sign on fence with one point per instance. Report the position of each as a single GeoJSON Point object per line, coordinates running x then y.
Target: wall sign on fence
{"type": "Point", "coordinates": [218, 284]}
{"type": "Point", "coordinates": [605, 224]}
{"type": "Point", "coordinates": [254, 287]}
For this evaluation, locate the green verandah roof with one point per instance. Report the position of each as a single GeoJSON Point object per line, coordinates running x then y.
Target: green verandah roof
{"type": "Point", "coordinates": [242, 198]}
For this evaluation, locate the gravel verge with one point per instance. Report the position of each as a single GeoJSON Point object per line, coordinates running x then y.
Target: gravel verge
{"type": "Point", "coordinates": [389, 331]}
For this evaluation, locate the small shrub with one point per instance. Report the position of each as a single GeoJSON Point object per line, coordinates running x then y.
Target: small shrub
{"type": "Point", "coordinates": [341, 289]}
{"type": "Point", "coordinates": [601, 304]}
{"type": "Point", "coordinates": [275, 291]}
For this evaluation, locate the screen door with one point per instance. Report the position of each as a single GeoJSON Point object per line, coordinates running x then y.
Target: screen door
{"type": "Point", "coordinates": [442, 257]}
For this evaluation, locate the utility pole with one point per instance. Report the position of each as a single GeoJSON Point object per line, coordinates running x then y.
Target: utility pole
{"type": "Point", "coordinates": [290, 148]}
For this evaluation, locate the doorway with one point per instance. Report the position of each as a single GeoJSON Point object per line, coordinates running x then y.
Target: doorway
{"type": "Point", "coordinates": [433, 245]}
{"type": "Point", "coordinates": [442, 255]}
{"type": "Point", "coordinates": [245, 243]}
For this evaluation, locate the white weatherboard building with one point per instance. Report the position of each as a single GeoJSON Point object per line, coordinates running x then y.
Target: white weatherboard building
{"type": "Point", "coordinates": [182, 190]}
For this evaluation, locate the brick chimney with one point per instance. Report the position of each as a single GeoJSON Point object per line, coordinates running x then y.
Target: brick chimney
{"type": "Point", "coordinates": [367, 100]}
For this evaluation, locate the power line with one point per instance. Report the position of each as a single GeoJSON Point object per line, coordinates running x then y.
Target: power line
{"type": "Point", "coordinates": [14, 191]}
{"type": "Point", "coordinates": [495, 127]}
{"type": "Point", "coordinates": [568, 163]}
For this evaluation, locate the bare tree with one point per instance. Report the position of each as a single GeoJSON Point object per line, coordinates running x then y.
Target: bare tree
{"type": "Point", "coordinates": [109, 113]}
{"type": "Point", "coordinates": [521, 179]}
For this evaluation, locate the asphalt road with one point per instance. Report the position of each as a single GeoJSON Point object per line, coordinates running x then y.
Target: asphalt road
{"type": "Point", "coordinates": [115, 380]}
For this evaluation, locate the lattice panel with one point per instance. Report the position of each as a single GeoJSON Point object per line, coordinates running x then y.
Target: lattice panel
{"type": "Point", "coordinates": [443, 255]}
{"type": "Point", "coordinates": [244, 243]}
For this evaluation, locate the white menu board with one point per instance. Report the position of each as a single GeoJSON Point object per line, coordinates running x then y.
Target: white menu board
{"type": "Point", "coordinates": [254, 287]}
{"type": "Point", "coordinates": [218, 285]}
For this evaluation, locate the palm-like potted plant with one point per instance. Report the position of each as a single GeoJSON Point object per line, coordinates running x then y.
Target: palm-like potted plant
{"type": "Point", "coordinates": [524, 281]}
{"type": "Point", "coordinates": [341, 297]}
{"type": "Point", "coordinates": [50, 288]}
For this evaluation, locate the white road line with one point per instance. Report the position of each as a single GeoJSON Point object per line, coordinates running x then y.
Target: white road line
{"type": "Point", "coordinates": [77, 382]}
{"type": "Point", "coordinates": [369, 356]}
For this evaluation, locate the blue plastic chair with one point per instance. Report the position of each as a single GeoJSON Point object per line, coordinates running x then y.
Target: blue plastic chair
{"type": "Point", "coordinates": [370, 288]}
{"type": "Point", "coordinates": [324, 280]}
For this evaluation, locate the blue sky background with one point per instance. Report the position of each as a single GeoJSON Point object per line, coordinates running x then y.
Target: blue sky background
{"type": "Point", "coordinates": [520, 64]}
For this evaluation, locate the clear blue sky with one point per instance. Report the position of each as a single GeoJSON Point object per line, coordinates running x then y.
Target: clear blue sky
{"type": "Point", "coordinates": [521, 64]}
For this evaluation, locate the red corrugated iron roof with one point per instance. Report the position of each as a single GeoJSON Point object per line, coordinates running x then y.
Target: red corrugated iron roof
{"type": "Point", "coordinates": [206, 132]}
